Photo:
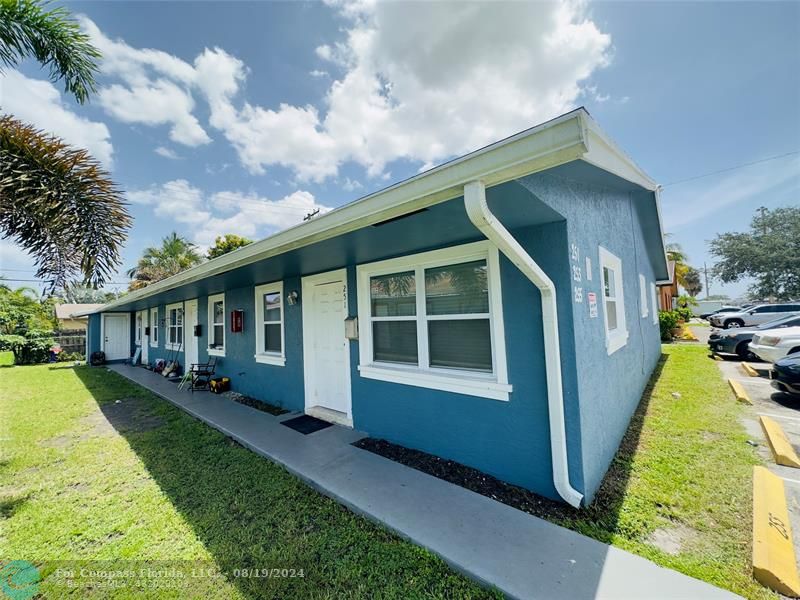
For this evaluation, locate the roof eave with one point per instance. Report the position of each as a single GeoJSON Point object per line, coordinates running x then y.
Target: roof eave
{"type": "Point", "coordinates": [564, 139]}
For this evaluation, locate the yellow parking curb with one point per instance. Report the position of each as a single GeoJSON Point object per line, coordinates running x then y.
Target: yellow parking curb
{"type": "Point", "coordinates": [781, 448]}
{"type": "Point", "coordinates": [718, 357]}
{"type": "Point", "coordinates": [749, 370]}
{"type": "Point", "coordinates": [773, 551]}
{"type": "Point", "coordinates": [741, 394]}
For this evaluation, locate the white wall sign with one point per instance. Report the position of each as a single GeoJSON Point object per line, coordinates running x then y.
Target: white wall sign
{"type": "Point", "coordinates": [592, 298]}
{"type": "Point", "coordinates": [588, 269]}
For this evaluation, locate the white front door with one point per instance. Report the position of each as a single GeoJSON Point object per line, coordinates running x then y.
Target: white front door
{"type": "Point", "coordinates": [145, 338]}
{"type": "Point", "coordinates": [116, 336]}
{"type": "Point", "coordinates": [326, 351]}
{"type": "Point", "coordinates": [189, 339]}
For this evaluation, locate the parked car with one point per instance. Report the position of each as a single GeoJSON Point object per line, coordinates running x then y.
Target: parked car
{"type": "Point", "coordinates": [724, 309]}
{"type": "Point", "coordinates": [754, 316]}
{"type": "Point", "coordinates": [785, 374]}
{"type": "Point", "coordinates": [737, 340]}
{"type": "Point", "coordinates": [772, 345]}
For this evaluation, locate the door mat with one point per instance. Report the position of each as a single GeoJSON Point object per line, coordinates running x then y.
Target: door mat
{"type": "Point", "coordinates": [306, 424]}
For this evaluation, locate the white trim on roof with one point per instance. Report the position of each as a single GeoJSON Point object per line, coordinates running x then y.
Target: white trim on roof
{"type": "Point", "coordinates": [573, 136]}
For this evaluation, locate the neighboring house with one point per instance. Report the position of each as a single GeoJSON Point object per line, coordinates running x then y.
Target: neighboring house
{"type": "Point", "coordinates": [73, 316]}
{"type": "Point", "coordinates": [505, 302]}
{"type": "Point", "coordinates": [668, 290]}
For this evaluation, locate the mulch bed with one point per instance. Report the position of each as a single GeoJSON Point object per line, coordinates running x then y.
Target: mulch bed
{"type": "Point", "coordinates": [467, 477]}
{"type": "Point", "coordinates": [257, 404]}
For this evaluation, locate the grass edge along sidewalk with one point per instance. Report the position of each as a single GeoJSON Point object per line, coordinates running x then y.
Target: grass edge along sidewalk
{"type": "Point", "coordinates": [678, 491]}
{"type": "Point", "coordinates": [97, 468]}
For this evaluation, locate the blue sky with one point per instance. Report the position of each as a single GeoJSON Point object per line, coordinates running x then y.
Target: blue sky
{"type": "Point", "coordinates": [241, 117]}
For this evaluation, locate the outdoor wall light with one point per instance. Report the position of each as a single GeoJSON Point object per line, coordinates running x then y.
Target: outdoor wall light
{"type": "Point", "coordinates": [292, 297]}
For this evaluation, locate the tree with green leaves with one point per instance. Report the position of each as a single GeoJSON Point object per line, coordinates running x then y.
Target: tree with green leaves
{"type": "Point", "coordinates": [56, 202]}
{"type": "Point", "coordinates": [175, 254]}
{"type": "Point", "coordinates": [75, 292]}
{"type": "Point", "coordinates": [676, 254]}
{"type": "Point", "coordinates": [692, 282]}
{"type": "Point", "coordinates": [227, 243]}
{"type": "Point", "coordinates": [26, 324]}
{"type": "Point", "coordinates": [769, 253]}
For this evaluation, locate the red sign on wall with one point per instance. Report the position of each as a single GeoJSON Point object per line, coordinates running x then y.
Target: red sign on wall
{"type": "Point", "coordinates": [237, 321]}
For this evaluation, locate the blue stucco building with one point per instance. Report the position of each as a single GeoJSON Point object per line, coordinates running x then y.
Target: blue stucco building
{"type": "Point", "coordinates": [498, 310]}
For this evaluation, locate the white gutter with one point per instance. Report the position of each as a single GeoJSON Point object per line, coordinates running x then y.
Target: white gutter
{"type": "Point", "coordinates": [480, 215]}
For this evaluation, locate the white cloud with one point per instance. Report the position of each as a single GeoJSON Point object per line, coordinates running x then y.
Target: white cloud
{"type": "Point", "coordinates": [167, 153]}
{"type": "Point", "coordinates": [351, 185]}
{"type": "Point", "coordinates": [425, 84]}
{"type": "Point", "coordinates": [156, 88]}
{"type": "Point", "coordinates": [157, 103]}
{"type": "Point", "coordinates": [207, 216]}
{"type": "Point", "coordinates": [39, 103]}
{"type": "Point", "coordinates": [421, 85]}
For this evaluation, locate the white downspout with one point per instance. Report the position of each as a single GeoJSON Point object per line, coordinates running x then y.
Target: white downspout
{"type": "Point", "coordinates": [493, 229]}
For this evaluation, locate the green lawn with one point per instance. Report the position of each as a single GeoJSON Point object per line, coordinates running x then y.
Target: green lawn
{"type": "Point", "coordinates": [683, 477]}
{"type": "Point", "coordinates": [157, 485]}
{"type": "Point", "coordinates": [6, 358]}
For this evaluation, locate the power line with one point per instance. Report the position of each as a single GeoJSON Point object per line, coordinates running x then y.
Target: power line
{"type": "Point", "coordinates": [50, 280]}
{"type": "Point", "coordinates": [755, 162]}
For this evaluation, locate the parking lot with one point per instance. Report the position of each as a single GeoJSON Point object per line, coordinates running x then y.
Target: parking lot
{"type": "Point", "coordinates": [779, 406]}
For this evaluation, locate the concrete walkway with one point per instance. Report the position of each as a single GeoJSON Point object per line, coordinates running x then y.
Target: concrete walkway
{"type": "Point", "coordinates": [521, 555]}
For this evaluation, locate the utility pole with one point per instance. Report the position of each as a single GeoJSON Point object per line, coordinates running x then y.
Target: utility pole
{"type": "Point", "coordinates": [705, 276]}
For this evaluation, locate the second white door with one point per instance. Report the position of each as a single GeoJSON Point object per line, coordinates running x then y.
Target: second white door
{"type": "Point", "coordinates": [326, 351]}
{"type": "Point", "coordinates": [189, 339]}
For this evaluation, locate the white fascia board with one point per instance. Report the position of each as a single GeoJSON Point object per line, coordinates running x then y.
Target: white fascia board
{"type": "Point", "coordinates": [559, 141]}
{"type": "Point", "coordinates": [603, 153]}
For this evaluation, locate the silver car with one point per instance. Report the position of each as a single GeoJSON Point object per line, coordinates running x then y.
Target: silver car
{"type": "Point", "coordinates": [755, 315]}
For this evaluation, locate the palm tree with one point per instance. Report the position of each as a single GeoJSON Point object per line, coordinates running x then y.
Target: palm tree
{"type": "Point", "coordinates": [56, 201]}
{"type": "Point", "coordinates": [676, 254]}
{"type": "Point", "coordinates": [175, 254]}
{"type": "Point", "coordinates": [27, 30]}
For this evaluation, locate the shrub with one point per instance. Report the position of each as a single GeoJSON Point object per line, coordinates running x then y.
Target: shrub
{"type": "Point", "coordinates": [70, 356]}
{"type": "Point", "coordinates": [30, 349]}
{"type": "Point", "coordinates": [667, 321]}
{"type": "Point", "coordinates": [685, 314]}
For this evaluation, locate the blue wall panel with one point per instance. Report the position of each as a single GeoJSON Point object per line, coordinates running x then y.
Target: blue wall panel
{"type": "Point", "coordinates": [509, 440]}
{"type": "Point", "coordinates": [610, 387]}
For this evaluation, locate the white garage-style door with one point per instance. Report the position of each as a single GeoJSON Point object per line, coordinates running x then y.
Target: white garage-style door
{"type": "Point", "coordinates": [326, 351]}
{"type": "Point", "coordinates": [116, 336]}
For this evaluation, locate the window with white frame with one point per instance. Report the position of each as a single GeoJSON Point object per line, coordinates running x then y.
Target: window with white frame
{"type": "Point", "coordinates": [613, 301]}
{"type": "Point", "coordinates": [216, 325]}
{"type": "Point", "coordinates": [270, 347]}
{"type": "Point", "coordinates": [654, 295]}
{"type": "Point", "coordinates": [435, 320]}
{"type": "Point", "coordinates": [138, 329]}
{"type": "Point", "coordinates": [154, 327]}
{"type": "Point", "coordinates": [643, 296]}
{"type": "Point", "coordinates": [174, 326]}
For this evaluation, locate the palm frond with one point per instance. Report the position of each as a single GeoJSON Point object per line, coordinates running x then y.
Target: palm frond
{"type": "Point", "coordinates": [59, 204]}
{"type": "Point", "coordinates": [28, 30]}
